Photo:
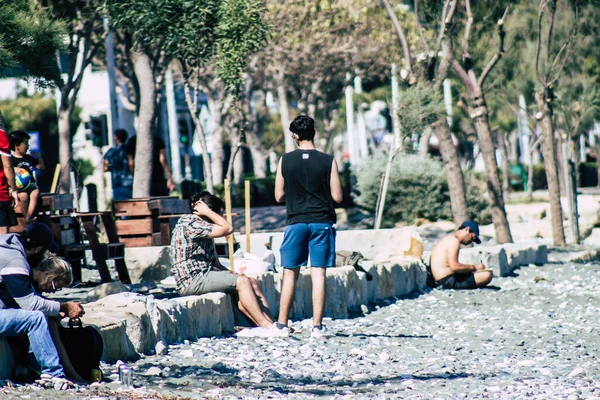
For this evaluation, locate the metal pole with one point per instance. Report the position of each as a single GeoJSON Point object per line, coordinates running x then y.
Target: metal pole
{"type": "Point", "coordinates": [173, 128]}
{"type": "Point", "coordinates": [395, 104]}
{"type": "Point", "coordinates": [114, 122]}
{"type": "Point", "coordinates": [229, 219]}
{"type": "Point", "coordinates": [248, 219]}
{"type": "Point", "coordinates": [448, 101]}
{"type": "Point", "coordinates": [350, 120]}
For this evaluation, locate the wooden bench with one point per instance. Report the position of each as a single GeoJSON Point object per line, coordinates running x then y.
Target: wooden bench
{"type": "Point", "coordinates": [148, 221]}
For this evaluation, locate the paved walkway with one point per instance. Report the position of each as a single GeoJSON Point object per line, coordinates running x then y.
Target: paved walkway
{"type": "Point", "coordinates": [535, 336]}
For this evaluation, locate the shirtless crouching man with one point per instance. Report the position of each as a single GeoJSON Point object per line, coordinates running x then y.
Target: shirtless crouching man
{"type": "Point", "coordinates": [447, 272]}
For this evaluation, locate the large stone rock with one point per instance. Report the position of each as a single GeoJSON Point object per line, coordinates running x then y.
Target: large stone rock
{"type": "Point", "coordinates": [375, 244]}
{"type": "Point", "coordinates": [148, 263]}
{"type": "Point", "coordinates": [106, 289]}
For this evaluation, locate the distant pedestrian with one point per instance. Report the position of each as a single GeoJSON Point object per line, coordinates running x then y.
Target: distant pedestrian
{"type": "Point", "coordinates": [25, 165]}
{"type": "Point", "coordinates": [447, 271]}
{"type": "Point", "coordinates": [161, 179]}
{"type": "Point", "coordinates": [116, 161]}
{"type": "Point", "coordinates": [308, 181]}
{"type": "Point", "coordinates": [8, 198]}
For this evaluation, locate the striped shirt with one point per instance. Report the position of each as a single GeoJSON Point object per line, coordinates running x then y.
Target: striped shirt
{"type": "Point", "coordinates": [192, 251]}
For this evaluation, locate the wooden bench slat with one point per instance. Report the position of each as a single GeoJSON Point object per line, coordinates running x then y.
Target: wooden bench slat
{"type": "Point", "coordinates": [134, 226]}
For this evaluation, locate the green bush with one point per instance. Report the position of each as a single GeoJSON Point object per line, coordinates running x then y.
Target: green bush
{"type": "Point", "coordinates": [418, 188]}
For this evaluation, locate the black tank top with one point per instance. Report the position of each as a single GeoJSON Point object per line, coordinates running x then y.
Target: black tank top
{"type": "Point", "coordinates": [307, 175]}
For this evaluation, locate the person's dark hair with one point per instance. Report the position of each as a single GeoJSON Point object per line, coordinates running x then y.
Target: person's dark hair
{"type": "Point", "coordinates": [121, 135]}
{"type": "Point", "coordinates": [304, 127]}
{"type": "Point", "coordinates": [17, 137]}
{"type": "Point", "coordinates": [212, 201]}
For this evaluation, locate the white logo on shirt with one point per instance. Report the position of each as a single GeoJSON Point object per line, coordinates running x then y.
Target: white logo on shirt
{"type": "Point", "coordinates": [305, 156]}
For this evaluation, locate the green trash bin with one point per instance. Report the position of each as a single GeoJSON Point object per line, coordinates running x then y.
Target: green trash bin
{"type": "Point", "coordinates": [517, 176]}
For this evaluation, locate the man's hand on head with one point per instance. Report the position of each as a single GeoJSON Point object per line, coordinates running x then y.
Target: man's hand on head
{"type": "Point", "coordinates": [201, 209]}
{"type": "Point", "coordinates": [71, 309]}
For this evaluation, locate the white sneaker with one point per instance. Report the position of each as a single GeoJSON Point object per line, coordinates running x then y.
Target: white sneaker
{"type": "Point", "coordinates": [279, 332]}
{"type": "Point", "coordinates": [270, 331]}
{"type": "Point", "coordinates": [321, 333]}
{"type": "Point", "coordinates": [248, 332]}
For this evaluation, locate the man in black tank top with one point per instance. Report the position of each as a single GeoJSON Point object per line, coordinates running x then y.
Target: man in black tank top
{"type": "Point", "coordinates": [308, 181]}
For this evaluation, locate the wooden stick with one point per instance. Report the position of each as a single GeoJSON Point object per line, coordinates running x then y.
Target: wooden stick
{"type": "Point", "coordinates": [228, 215]}
{"type": "Point", "coordinates": [55, 179]}
{"type": "Point", "coordinates": [247, 196]}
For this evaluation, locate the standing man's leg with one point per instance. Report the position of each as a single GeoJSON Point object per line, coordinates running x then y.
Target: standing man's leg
{"type": "Point", "coordinates": [288, 288]}
{"type": "Point", "coordinates": [321, 247]}
{"type": "Point", "coordinates": [318, 276]}
{"type": "Point", "coordinates": [294, 254]}
{"type": "Point", "coordinates": [34, 325]}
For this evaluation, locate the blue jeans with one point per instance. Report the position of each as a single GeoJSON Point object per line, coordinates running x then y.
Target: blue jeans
{"type": "Point", "coordinates": [35, 325]}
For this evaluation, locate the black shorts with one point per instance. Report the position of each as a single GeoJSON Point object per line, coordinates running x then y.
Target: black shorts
{"type": "Point", "coordinates": [7, 214]}
{"type": "Point", "coordinates": [458, 281]}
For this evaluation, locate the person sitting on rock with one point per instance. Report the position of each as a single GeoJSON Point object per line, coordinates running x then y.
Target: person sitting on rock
{"type": "Point", "coordinates": [447, 272]}
{"type": "Point", "coordinates": [21, 285]}
{"type": "Point", "coordinates": [197, 269]}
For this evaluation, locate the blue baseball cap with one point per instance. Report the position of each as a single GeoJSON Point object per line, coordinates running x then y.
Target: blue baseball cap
{"type": "Point", "coordinates": [41, 235]}
{"type": "Point", "coordinates": [474, 228]}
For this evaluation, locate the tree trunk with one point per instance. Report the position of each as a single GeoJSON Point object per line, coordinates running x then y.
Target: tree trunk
{"type": "Point", "coordinates": [502, 140]}
{"type": "Point", "coordinates": [230, 166]}
{"type": "Point", "coordinates": [193, 108]}
{"type": "Point", "coordinates": [215, 108]}
{"type": "Point", "coordinates": [479, 115]}
{"type": "Point", "coordinates": [456, 183]}
{"type": "Point", "coordinates": [530, 164]}
{"type": "Point", "coordinates": [284, 113]}
{"type": "Point", "coordinates": [64, 146]}
{"type": "Point", "coordinates": [549, 152]}
{"type": "Point", "coordinates": [144, 143]}
{"type": "Point", "coordinates": [238, 167]}
{"type": "Point", "coordinates": [424, 143]}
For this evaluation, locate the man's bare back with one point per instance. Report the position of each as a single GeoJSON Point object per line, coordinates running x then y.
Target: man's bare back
{"type": "Point", "coordinates": [445, 265]}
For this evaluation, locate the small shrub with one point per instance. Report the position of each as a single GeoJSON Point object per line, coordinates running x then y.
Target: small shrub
{"type": "Point", "coordinates": [418, 189]}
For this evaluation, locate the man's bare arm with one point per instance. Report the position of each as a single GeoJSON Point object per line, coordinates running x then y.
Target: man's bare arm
{"type": "Point", "coordinates": [279, 184]}
{"type": "Point", "coordinates": [453, 264]}
{"type": "Point", "coordinates": [334, 184]}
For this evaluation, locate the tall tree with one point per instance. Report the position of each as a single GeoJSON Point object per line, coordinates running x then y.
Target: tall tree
{"type": "Point", "coordinates": [432, 71]}
{"type": "Point", "coordinates": [220, 33]}
{"type": "Point", "coordinates": [145, 64]}
{"type": "Point", "coordinates": [474, 84]}
{"type": "Point", "coordinates": [549, 65]}
{"type": "Point", "coordinates": [85, 37]}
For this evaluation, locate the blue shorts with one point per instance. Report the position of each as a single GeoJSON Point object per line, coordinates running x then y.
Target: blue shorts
{"type": "Point", "coordinates": [301, 239]}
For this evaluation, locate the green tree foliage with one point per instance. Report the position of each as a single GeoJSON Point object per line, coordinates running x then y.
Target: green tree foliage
{"type": "Point", "coordinates": [29, 41]}
{"type": "Point", "coordinates": [417, 189]}
{"type": "Point", "coordinates": [420, 106]}
{"type": "Point", "coordinates": [196, 32]}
